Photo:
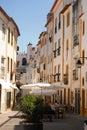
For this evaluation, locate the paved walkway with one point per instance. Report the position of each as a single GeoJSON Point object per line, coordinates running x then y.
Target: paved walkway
{"type": "Point", "coordinates": [11, 121]}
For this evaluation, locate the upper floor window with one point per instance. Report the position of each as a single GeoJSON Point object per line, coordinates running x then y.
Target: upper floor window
{"type": "Point", "coordinates": [24, 61]}
{"type": "Point", "coordinates": [83, 55]}
{"type": "Point", "coordinates": [11, 64]}
{"type": "Point", "coordinates": [56, 25]}
{"type": "Point", "coordinates": [59, 40]}
{"type": "Point", "coordinates": [55, 45]}
{"type": "Point", "coordinates": [2, 59]}
{"type": "Point", "coordinates": [3, 32]}
{"type": "Point", "coordinates": [59, 23]}
{"type": "Point", "coordinates": [58, 50]}
{"type": "Point", "coordinates": [8, 64]}
{"type": "Point", "coordinates": [58, 68]}
{"type": "Point", "coordinates": [8, 35]}
{"type": "Point", "coordinates": [83, 28]}
{"type": "Point", "coordinates": [11, 38]}
{"type": "Point", "coordinates": [67, 47]}
{"type": "Point", "coordinates": [55, 69]}
{"type": "Point", "coordinates": [68, 19]}
{"type": "Point", "coordinates": [82, 81]}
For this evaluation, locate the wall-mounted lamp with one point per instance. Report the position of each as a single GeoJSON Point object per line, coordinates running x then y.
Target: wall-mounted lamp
{"type": "Point", "coordinates": [79, 64]}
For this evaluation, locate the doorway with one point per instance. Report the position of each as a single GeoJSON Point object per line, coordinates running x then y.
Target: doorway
{"type": "Point", "coordinates": [8, 99]}
{"type": "Point", "coordinates": [77, 101]}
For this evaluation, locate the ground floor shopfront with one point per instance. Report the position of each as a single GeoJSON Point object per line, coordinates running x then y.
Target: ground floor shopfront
{"type": "Point", "coordinates": [7, 97]}
{"type": "Point", "coordinates": [76, 100]}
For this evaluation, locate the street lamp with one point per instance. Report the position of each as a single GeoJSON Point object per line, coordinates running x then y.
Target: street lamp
{"type": "Point", "coordinates": [79, 64]}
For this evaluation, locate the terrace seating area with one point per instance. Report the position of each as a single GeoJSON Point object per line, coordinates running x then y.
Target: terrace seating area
{"type": "Point", "coordinates": [57, 112]}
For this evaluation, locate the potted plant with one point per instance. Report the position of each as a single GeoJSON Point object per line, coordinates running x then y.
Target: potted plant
{"type": "Point", "coordinates": [32, 112]}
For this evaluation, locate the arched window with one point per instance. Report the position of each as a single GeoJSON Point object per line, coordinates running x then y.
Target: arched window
{"type": "Point", "coordinates": [24, 61]}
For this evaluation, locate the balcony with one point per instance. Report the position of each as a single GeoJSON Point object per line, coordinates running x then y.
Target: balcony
{"type": "Point", "coordinates": [58, 51]}
{"type": "Point", "coordinates": [76, 40]}
{"type": "Point", "coordinates": [75, 75]}
{"type": "Point", "coordinates": [54, 53]}
{"type": "Point", "coordinates": [57, 77]}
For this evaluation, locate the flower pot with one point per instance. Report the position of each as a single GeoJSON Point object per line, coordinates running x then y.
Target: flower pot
{"type": "Point", "coordinates": [29, 126]}
{"type": "Point", "coordinates": [35, 126]}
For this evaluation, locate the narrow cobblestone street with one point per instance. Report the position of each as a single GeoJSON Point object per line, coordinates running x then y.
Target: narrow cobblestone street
{"type": "Point", "coordinates": [12, 121]}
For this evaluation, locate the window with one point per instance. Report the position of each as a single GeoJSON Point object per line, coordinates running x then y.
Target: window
{"type": "Point", "coordinates": [75, 74]}
{"type": "Point", "coordinates": [86, 76]}
{"type": "Point", "coordinates": [56, 25]}
{"type": "Point", "coordinates": [58, 47]}
{"type": "Point", "coordinates": [83, 30]}
{"type": "Point", "coordinates": [55, 45]}
{"type": "Point", "coordinates": [67, 44]}
{"type": "Point", "coordinates": [55, 69]}
{"type": "Point", "coordinates": [83, 81]}
{"type": "Point", "coordinates": [8, 35]}
{"type": "Point", "coordinates": [54, 73]}
{"type": "Point", "coordinates": [55, 49]}
{"type": "Point", "coordinates": [58, 74]}
{"type": "Point", "coordinates": [66, 75]}
{"type": "Point", "coordinates": [68, 19]}
{"type": "Point", "coordinates": [58, 68]}
{"type": "Point", "coordinates": [24, 61]}
{"type": "Point", "coordinates": [2, 59]}
{"type": "Point", "coordinates": [3, 32]}
{"type": "Point", "coordinates": [59, 24]}
{"type": "Point", "coordinates": [59, 42]}
{"type": "Point", "coordinates": [11, 64]}
{"type": "Point", "coordinates": [44, 66]}
{"type": "Point", "coordinates": [83, 55]}
{"type": "Point", "coordinates": [8, 64]}
{"type": "Point", "coordinates": [11, 38]}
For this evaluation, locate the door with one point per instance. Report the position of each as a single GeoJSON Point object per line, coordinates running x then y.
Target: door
{"type": "Point", "coordinates": [83, 101]}
{"type": "Point", "coordinates": [77, 101]}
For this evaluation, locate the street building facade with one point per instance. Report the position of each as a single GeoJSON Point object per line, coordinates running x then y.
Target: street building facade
{"type": "Point", "coordinates": [8, 38]}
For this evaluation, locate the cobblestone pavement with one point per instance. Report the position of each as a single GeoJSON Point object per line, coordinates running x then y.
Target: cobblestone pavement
{"type": "Point", "coordinates": [11, 121]}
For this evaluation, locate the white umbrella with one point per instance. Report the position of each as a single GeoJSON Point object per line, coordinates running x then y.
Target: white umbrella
{"type": "Point", "coordinates": [35, 85]}
{"type": "Point", "coordinates": [56, 86]}
{"type": "Point", "coordinates": [43, 92]}
{"type": "Point", "coordinates": [28, 86]}
{"type": "Point", "coordinates": [36, 88]}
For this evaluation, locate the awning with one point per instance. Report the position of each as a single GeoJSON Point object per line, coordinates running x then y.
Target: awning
{"type": "Point", "coordinates": [14, 86]}
{"type": "Point", "coordinates": [4, 84]}
{"type": "Point", "coordinates": [7, 85]}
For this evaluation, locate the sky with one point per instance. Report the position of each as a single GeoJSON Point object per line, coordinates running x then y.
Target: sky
{"type": "Point", "coordinates": [30, 17]}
